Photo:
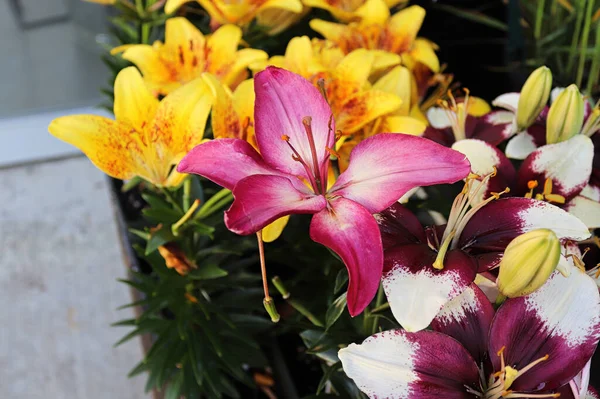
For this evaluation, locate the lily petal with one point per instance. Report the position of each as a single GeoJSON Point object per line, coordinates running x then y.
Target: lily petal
{"type": "Point", "coordinates": [262, 199]}
{"type": "Point", "coordinates": [399, 226]}
{"type": "Point", "coordinates": [283, 99]}
{"type": "Point", "coordinates": [352, 233]}
{"type": "Point", "coordinates": [385, 166]}
{"type": "Point", "coordinates": [225, 162]}
{"type": "Point", "coordinates": [485, 159]}
{"type": "Point", "coordinates": [495, 127]}
{"type": "Point", "coordinates": [467, 318]}
{"type": "Point", "coordinates": [568, 164]}
{"type": "Point", "coordinates": [586, 209]}
{"type": "Point", "coordinates": [561, 320]}
{"type": "Point", "coordinates": [134, 104]}
{"type": "Point", "coordinates": [509, 101]}
{"type": "Point", "coordinates": [102, 140]}
{"type": "Point", "coordinates": [399, 365]}
{"type": "Point", "coordinates": [415, 290]}
{"type": "Point", "coordinates": [496, 224]}
{"type": "Point", "coordinates": [520, 146]}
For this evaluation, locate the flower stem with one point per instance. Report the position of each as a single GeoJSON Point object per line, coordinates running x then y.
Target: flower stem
{"type": "Point", "coordinates": [268, 301]}
{"type": "Point", "coordinates": [295, 304]}
{"type": "Point", "coordinates": [215, 202]}
{"type": "Point", "coordinates": [171, 200]}
{"type": "Point", "coordinates": [187, 188]}
{"type": "Point", "coordinates": [185, 218]}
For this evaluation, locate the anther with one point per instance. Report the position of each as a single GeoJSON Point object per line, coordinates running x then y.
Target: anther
{"type": "Point", "coordinates": [285, 137]}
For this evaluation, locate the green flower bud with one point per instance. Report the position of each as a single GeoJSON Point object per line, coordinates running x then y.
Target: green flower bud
{"type": "Point", "coordinates": [528, 261]}
{"type": "Point", "coordinates": [534, 97]}
{"type": "Point", "coordinates": [565, 118]}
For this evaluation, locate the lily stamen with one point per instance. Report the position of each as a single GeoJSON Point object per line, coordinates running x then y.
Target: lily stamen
{"type": "Point", "coordinates": [296, 157]}
{"type": "Point", "coordinates": [306, 122]}
{"type": "Point", "coordinates": [546, 194]}
{"type": "Point", "coordinates": [501, 381]}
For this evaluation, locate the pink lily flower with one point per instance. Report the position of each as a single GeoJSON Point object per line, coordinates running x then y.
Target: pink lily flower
{"type": "Point", "coordinates": [425, 268]}
{"type": "Point", "coordinates": [295, 134]}
{"type": "Point", "coordinates": [531, 347]}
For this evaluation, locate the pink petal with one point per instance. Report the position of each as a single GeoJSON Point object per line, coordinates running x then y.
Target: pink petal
{"type": "Point", "coordinates": [568, 164]}
{"type": "Point", "coordinates": [398, 226]}
{"type": "Point", "coordinates": [385, 166]}
{"type": "Point", "coordinates": [485, 159]}
{"type": "Point", "coordinates": [350, 231]}
{"type": "Point", "coordinates": [399, 365]}
{"type": "Point", "coordinates": [494, 127]}
{"type": "Point", "coordinates": [415, 290]}
{"type": "Point", "coordinates": [496, 224]}
{"type": "Point", "coordinates": [261, 199]}
{"type": "Point", "coordinates": [283, 99]}
{"type": "Point", "coordinates": [225, 162]}
{"type": "Point", "coordinates": [561, 320]}
{"type": "Point", "coordinates": [467, 318]}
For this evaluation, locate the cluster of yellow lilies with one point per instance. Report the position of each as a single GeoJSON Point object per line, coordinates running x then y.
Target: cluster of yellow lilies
{"type": "Point", "coordinates": [371, 66]}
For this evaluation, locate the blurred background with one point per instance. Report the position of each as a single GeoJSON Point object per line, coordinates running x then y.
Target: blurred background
{"type": "Point", "coordinates": [60, 252]}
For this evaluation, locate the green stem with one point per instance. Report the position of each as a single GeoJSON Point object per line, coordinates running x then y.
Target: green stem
{"type": "Point", "coordinates": [584, 41]}
{"type": "Point", "coordinates": [380, 308]}
{"type": "Point", "coordinates": [139, 6]}
{"type": "Point", "coordinates": [187, 188]}
{"type": "Point", "coordinates": [145, 33]}
{"type": "Point", "coordinates": [300, 308]}
{"type": "Point", "coordinates": [594, 75]}
{"type": "Point", "coordinates": [213, 203]}
{"type": "Point", "coordinates": [378, 302]}
{"type": "Point", "coordinates": [575, 39]}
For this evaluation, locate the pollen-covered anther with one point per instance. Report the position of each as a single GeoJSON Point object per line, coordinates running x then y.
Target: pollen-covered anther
{"type": "Point", "coordinates": [285, 137]}
{"type": "Point", "coordinates": [332, 152]}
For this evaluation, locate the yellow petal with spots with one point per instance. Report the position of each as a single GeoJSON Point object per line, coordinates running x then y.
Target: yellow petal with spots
{"type": "Point", "coordinates": [104, 141]}
{"type": "Point", "coordinates": [294, 6]}
{"type": "Point", "coordinates": [135, 105]}
{"type": "Point", "coordinates": [149, 63]}
{"type": "Point", "coordinates": [365, 107]}
{"type": "Point", "coordinates": [181, 32]}
{"type": "Point", "coordinates": [121, 48]}
{"type": "Point", "coordinates": [172, 5]}
{"type": "Point", "coordinates": [181, 118]}
{"type": "Point", "coordinates": [276, 20]}
{"type": "Point", "coordinates": [221, 14]}
{"type": "Point", "coordinates": [423, 52]}
{"type": "Point", "coordinates": [353, 72]}
{"type": "Point", "coordinates": [243, 103]}
{"type": "Point", "coordinates": [222, 47]}
{"type": "Point", "coordinates": [224, 118]}
{"type": "Point", "coordinates": [272, 231]}
{"type": "Point", "coordinates": [384, 60]}
{"type": "Point", "coordinates": [405, 24]}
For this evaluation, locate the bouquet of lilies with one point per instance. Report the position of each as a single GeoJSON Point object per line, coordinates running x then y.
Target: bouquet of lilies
{"type": "Point", "coordinates": [459, 235]}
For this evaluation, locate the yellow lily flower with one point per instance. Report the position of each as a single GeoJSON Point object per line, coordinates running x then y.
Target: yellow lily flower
{"type": "Point", "coordinates": [240, 12]}
{"type": "Point", "coordinates": [381, 31]}
{"type": "Point", "coordinates": [353, 100]}
{"type": "Point", "coordinates": [350, 10]}
{"type": "Point", "coordinates": [187, 53]}
{"type": "Point", "coordinates": [148, 138]}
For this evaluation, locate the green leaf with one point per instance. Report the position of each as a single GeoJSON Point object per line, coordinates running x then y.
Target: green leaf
{"type": "Point", "coordinates": [174, 388]}
{"type": "Point", "coordinates": [158, 238]}
{"type": "Point", "coordinates": [340, 280]}
{"type": "Point", "coordinates": [206, 272]}
{"type": "Point", "coordinates": [327, 375]}
{"type": "Point", "coordinates": [335, 311]}
{"type": "Point", "coordinates": [473, 16]}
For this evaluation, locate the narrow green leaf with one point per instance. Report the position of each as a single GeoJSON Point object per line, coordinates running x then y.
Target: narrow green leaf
{"type": "Point", "coordinates": [158, 238]}
{"type": "Point", "coordinates": [206, 272]}
{"type": "Point", "coordinates": [327, 375]}
{"type": "Point", "coordinates": [340, 280]}
{"type": "Point", "coordinates": [473, 16]}
{"type": "Point", "coordinates": [174, 388]}
{"type": "Point", "coordinates": [335, 311]}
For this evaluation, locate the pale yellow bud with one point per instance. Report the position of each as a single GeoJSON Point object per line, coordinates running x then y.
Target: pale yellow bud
{"type": "Point", "coordinates": [534, 97]}
{"type": "Point", "coordinates": [565, 118]}
{"type": "Point", "coordinates": [527, 263]}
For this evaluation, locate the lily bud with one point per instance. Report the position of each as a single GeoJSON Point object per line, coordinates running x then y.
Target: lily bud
{"type": "Point", "coordinates": [528, 261]}
{"type": "Point", "coordinates": [565, 118]}
{"type": "Point", "coordinates": [534, 97]}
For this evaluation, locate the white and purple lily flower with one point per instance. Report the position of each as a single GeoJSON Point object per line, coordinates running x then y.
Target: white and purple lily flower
{"type": "Point", "coordinates": [560, 173]}
{"type": "Point", "coordinates": [295, 134]}
{"type": "Point", "coordinates": [425, 268]}
{"type": "Point", "coordinates": [531, 347]}
{"type": "Point", "coordinates": [451, 124]}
